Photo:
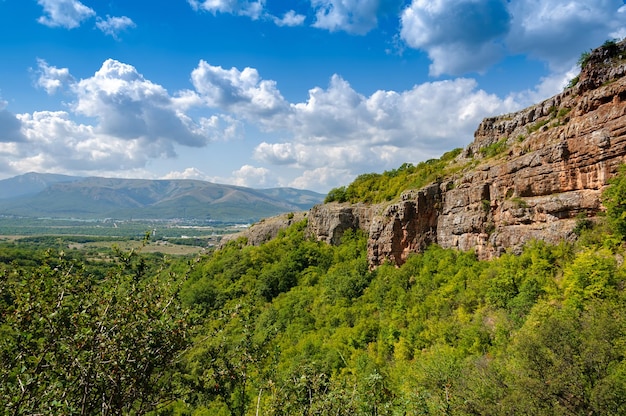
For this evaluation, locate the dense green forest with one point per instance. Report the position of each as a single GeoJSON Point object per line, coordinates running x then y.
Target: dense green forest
{"type": "Point", "coordinates": [299, 327]}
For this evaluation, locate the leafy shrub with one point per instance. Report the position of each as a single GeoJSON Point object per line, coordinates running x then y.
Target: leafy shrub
{"type": "Point", "coordinates": [494, 149]}
{"type": "Point", "coordinates": [614, 199]}
{"type": "Point", "coordinates": [583, 59]}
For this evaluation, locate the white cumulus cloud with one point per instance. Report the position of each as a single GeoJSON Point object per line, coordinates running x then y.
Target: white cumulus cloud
{"type": "Point", "coordinates": [290, 18]}
{"type": "Point", "coordinates": [344, 131]}
{"type": "Point", "coordinates": [251, 176]}
{"type": "Point", "coordinates": [459, 36]}
{"type": "Point", "coordinates": [56, 141]}
{"type": "Point", "coordinates": [127, 121]}
{"type": "Point", "coordinates": [64, 13]}
{"type": "Point", "coordinates": [322, 178]}
{"type": "Point", "coordinates": [238, 91]}
{"type": "Point", "coordinates": [277, 153]}
{"type": "Point", "coordinates": [189, 173]}
{"type": "Point", "coordinates": [128, 106]}
{"type": "Point", "coordinates": [113, 25]}
{"type": "Point", "coordinates": [221, 127]}
{"type": "Point", "coordinates": [352, 16]}
{"type": "Point", "coordinates": [51, 78]}
{"type": "Point", "coordinates": [462, 36]}
{"type": "Point", "coordinates": [252, 9]}
{"type": "Point", "coordinates": [341, 129]}
{"type": "Point", "coordinates": [558, 30]}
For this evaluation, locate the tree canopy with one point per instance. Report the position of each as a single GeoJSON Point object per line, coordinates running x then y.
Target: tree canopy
{"type": "Point", "coordinates": [296, 326]}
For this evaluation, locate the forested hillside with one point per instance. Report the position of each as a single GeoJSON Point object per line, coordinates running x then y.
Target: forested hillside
{"type": "Point", "coordinates": [299, 327]}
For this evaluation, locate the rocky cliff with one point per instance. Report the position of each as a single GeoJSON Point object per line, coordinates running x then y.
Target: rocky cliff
{"type": "Point", "coordinates": [527, 175]}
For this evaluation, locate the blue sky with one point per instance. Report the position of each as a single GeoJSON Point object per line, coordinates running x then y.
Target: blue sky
{"type": "Point", "coordinates": [301, 93]}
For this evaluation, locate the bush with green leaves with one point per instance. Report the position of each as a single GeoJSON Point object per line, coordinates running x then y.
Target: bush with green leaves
{"type": "Point", "coordinates": [72, 342]}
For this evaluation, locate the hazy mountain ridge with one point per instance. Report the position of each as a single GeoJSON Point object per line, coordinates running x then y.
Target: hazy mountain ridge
{"type": "Point", "coordinates": [48, 195]}
{"type": "Point", "coordinates": [31, 183]}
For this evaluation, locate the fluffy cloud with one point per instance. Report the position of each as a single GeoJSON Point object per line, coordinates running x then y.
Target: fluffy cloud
{"type": "Point", "coordinates": [470, 35]}
{"type": "Point", "coordinates": [112, 26]}
{"type": "Point", "coordinates": [250, 176]}
{"type": "Point", "coordinates": [189, 173]}
{"type": "Point", "coordinates": [291, 18]}
{"type": "Point", "coordinates": [64, 13]}
{"type": "Point", "coordinates": [352, 16]}
{"type": "Point", "coordinates": [50, 78]}
{"type": "Point", "coordinates": [458, 35]}
{"type": "Point", "coordinates": [221, 127]}
{"type": "Point", "coordinates": [278, 153]}
{"type": "Point", "coordinates": [55, 140]}
{"type": "Point", "coordinates": [242, 92]}
{"type": "Point", "coordinates": [252, 9]}
{"type": "Point", "coordinates": [128, 106]}
{"type": "Point", "coordinates": [557, 30]}
{"type": "Point", "coordinates": [430, 112]}
{"type": "Point", "coordinates": [10, 126]}
{"type": "Point", "coordinates": [127, 121]}
{"type": "Point", "coordinates": [322, 178]}
{"type": "Point", "coordinates": [339, 131]}
{"type": "Point", "coordinates": [343, 130]}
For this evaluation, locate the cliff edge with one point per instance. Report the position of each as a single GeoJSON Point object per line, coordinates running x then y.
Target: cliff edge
{"type": "Point", "coordinates": [527, 175]}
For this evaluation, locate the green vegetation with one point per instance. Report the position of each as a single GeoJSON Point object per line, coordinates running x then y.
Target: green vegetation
{"type": "Point", "coordinates": [494, 149]}
{"type": "Point", "coordinates": [519, 202]}
{"type": "Point", "coordinates": [583, 59]}
{"type": "Point", "coordinates": [614, 199]}
{"type": "Point", "coordinates": [563, 112]}
{"type": "Point", "coordinates": [81, 340]}
{"type": "Point", "coordinates": [296, 326]}
{"type": "Point", "coordinates": [375, 188]}
{"type": "Point", "coordinates": [572, 82]}
{"type": "Point", "coordinates": [536, 126]}
{"type": "Point", "coordinates": [111, 228]}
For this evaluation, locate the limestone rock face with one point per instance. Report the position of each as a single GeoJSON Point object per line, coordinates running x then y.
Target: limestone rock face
{"type": "Point", "coordinates": [558, 157]}
{"type": "Point", "coordinates": [328, 222]}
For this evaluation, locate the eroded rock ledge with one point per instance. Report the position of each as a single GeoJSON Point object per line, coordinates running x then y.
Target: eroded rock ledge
{"type": "Point", "coordinates": [559, 156]}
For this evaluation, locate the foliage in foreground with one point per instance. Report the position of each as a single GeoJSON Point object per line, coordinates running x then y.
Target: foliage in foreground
{"type": "Point", "coordinates": [297, 327]}
{"type": "Point", "coordinates": [79, 341]}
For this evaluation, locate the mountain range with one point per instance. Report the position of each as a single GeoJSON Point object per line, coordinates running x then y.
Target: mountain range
{"type": "Point", "coordinates": [60, 196]}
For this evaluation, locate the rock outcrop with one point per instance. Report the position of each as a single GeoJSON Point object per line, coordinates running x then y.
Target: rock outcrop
{"type": "Point", "coordinates": [556, 157]}
{"type": "Point", "coordinates": [265, 230]}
